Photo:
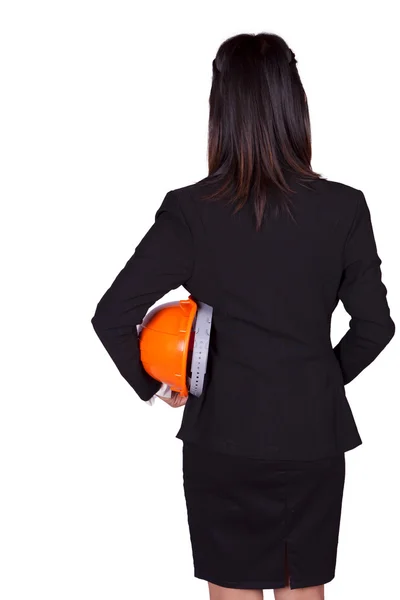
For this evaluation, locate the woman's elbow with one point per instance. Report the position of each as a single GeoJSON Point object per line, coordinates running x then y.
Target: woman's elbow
{"type": "Point", "coordinates": [100, 318]}
{"type": "Point", "coordinates": [387, 331]}
{"type": "Point", "coordinates": [391, 330]}
{"type": "Point", "coordinates": [97, 322]}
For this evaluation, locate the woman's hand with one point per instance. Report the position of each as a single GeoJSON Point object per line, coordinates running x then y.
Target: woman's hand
{"type": "Point", "coordinates": [175, 400]}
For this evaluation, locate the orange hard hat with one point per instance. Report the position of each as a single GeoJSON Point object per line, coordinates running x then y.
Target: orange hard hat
{"type": "Point", "coordinates": [174, 341]}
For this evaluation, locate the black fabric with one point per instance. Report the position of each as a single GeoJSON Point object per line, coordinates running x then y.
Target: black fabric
{"type": "Point", "coordinates": [252, 522]}
{"type": "Point", "coordinates": [274, 386]}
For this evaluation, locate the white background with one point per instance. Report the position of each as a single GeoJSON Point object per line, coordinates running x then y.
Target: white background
{"type": "Point", "coordinates": [104, 109]}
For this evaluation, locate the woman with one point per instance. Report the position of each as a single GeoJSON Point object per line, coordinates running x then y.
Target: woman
{"type": "Point", "coordinates": [273, 247]}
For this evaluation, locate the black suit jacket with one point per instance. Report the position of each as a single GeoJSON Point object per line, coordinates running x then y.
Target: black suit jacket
{"type": "Point", "coordinates": [274, 386]}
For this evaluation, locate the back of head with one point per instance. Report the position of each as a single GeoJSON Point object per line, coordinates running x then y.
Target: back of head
{"type": "Point", "coordinates": [259, 128]}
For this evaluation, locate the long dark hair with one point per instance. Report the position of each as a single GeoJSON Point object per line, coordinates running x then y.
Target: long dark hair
{"type": "Point", "coordinates": [259, 128]}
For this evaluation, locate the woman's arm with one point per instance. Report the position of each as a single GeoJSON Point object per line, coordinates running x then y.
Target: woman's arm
{"type": "Point", "coordinates": [162, 261]}
{"type": "Point", "coordinates": [364, 297]}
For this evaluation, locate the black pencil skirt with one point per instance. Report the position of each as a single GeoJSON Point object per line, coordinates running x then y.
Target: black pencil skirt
{"type": "Point", "coordinates": [262, 524]}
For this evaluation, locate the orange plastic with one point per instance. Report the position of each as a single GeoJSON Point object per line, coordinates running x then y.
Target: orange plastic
{"type": "Point", "coordinates": [165, 341]}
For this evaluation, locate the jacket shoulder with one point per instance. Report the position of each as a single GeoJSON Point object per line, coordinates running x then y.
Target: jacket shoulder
{"type": "Point", "coordinates": [339, 198]}
{"type": "Point", "coordinates": [187, 197]}
{"type": "Point", "coordinates": [189, 190]}
{"type": "Point", "coordinates": [337, 187]}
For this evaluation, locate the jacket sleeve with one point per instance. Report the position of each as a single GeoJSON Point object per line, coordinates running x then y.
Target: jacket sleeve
{"type": "Point", "coordinates": [364, 297]}
{"type": "Point", "coordinates": [162, 261]}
